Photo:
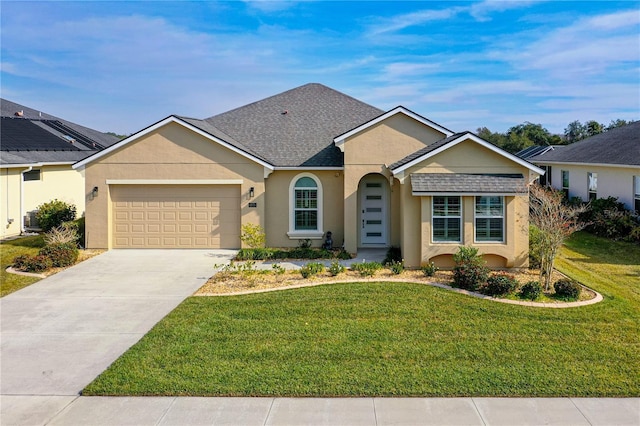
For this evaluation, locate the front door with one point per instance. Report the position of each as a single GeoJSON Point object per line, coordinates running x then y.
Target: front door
{"type": "Point", "coordinates": [373, 206]}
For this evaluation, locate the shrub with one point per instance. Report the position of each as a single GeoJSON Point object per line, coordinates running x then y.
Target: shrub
{"type": "Point", "coordinates": [63, 234]}
{"type": "Point", "coordinates": [535, 247]}
{"type": "Point", "coordinates": [343, 255]}
{"type": "Point", "coordinates": [311, 269]}
{"type": "Point", "coordinates": [54, 213]}
{"type": "Point", "coordinates": [366, 269]}
{"type": "Point", "coordinates": [61, 254]}
{"type": "Point", "coordinates": [531, 290]}
{"type": "Point", "coordinates": [277, 269]}
{"type": "Point", "coordinates": [469, 272]}
{"type": "Point", "coordinates": [336, 268]}
{"type": "Point", "coordinates": [429, 269]}
{"type": "Point", "coordinates": [397, 267]}
{"type": "Point", "coordinates": [393, 255]}
{"type": "Point", "coordinates": [253, 236]}
{"type": "Point", "coordinates": [29, 263]}
{"type": "Point", "coordinates": [500, 284]}
{"type": "Point", "coordinates": [567, 288]}
{"type": "Point", "coordinates": [254, 254]}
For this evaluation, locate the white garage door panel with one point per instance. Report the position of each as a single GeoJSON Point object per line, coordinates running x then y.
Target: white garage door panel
{"type": "Point", "coordinates": [176, 216]}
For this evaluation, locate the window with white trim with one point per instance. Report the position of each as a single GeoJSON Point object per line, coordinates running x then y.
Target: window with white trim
{"type": "Point", "coordinates": [31, 175]}
{"type": "Point", "coordinates": [592, 182]}
{"type": "Point", "coordinates": [489, 214]}
{"type": "Point", "coordinates": [565, 183]}
{"type": "Point", "coordinates": [305, 206]}
{"type": "Point", "coordinates": [446, 219]}
{"type": "Point", "coordinates": [636, 193]}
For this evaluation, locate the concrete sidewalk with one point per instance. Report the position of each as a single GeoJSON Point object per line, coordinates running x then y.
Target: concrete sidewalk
{"type": "Point", "coordinates": [65, 410]}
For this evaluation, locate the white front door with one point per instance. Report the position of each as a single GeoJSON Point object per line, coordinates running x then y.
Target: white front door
{"type": "Point", "coordinates": [373, 205]}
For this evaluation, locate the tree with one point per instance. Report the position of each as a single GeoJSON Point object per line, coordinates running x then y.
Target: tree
{"type": "Point", "coordinates": [593, 128]}
{"type": "Point", "coordinates": [574, 132]}
{"type": "Point", "coordinates": [556, 222]}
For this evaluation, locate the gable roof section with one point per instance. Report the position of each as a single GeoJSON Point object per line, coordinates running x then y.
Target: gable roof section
{"type": "Point", "coordinates": [464, 183]}
{"type": "Point", "coordinates": [446, 143]}
{"type": "Point", "coordinates": [185, 122]}
{"type": "Point", "coordinates": [296, 128]}
{"type": "Point", "coordinates": [340, 140]}
{"type": "Point", "coordinates": [619, 146]}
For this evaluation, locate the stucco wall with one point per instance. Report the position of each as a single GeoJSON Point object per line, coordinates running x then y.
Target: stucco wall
{"type": "Point", "coordinates": [277, 206]}
{"type": "Point", "coordinates": [61, 182]}
{"type": "Point", "coordinates": [170, 152]}
{"type": "Point", "coordinates": [612, 181]}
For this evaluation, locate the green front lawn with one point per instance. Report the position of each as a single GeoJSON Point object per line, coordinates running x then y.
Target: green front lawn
{"type": "Point", "coordinates": [396, 339]}
{"type": "Point", "coordinates": [8, 251]}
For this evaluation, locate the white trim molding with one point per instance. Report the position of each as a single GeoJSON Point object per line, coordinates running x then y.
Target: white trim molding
{"type": "Point", "coordinates": [174, 181]}
{"type": "Point", "coordinates": [298, 234]}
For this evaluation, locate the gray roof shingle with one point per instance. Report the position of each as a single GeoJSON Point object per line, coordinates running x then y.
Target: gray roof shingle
{"type": "Point", "coordinates": [295, 128]}
{"type": "Point", "coordinates": [468, 183]}
{"type": "Point", "coordinates": [620, 146]}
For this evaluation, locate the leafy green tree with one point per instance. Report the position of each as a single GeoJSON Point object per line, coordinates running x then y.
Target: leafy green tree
{"type": "Point", "coordinates": [574, 132]}
{"type": "Point", "coordinates": [593, 128]}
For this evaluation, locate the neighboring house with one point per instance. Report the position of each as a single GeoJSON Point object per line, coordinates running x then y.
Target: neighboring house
{"type": "Point", "coordinates": [305, 162]}
{"type": "Point", "coordinates": [37, 151]}
{"type": "Point", "coordinates": [601, 166]}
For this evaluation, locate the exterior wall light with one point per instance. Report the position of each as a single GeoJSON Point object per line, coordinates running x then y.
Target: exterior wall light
{"type": "Point", "coordinates": [251, 192]}
{"type": "Point", "coordinates": [94, 192]}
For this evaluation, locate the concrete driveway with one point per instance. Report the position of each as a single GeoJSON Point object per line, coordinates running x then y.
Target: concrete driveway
{"type": "Point", "coordinates": [60, 333]}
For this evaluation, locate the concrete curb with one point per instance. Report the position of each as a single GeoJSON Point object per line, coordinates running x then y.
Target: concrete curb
{"type": "Point", "coordinates": [10, 270]}
{"type": "Point", "coordinates": [559, 305]}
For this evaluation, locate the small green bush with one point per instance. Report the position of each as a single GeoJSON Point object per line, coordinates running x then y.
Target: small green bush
{"type": "Point", "coordinates": [566, 288]}
{"type": "Point", "coordinates": [500, 284]}
{"type": "Point", "coordinates": [343, 255]}
{"type": "Point", "coordinates": [61, 254]}
{"type": "Point", "coordinates": [366, 269]}
{"type": "Point", "coordinates": [393, 255]}
{"type": "Point", "coordinates": [311, 269]}
{"type": "Point", "coordinates": [531, 290]}
{"type": "Point", "coordinates": [336, 268]}
{"type": "Point", "coordinates": [254, 254]}
{"type": "Point", "coordinates": [29, 263]}
{"type": "Point", "coordinates": [397, 267]}
{"type": "Point", "coordinates": [469, 272]}
{"type": "Point", "coordinates": [535, 247]}
{"type": "Point", "coordinates": [253, 236]}
{"type": "Point", "coordinates": [54, 213]}
{"type": "Point", "coordinates": [277, 269]}
{"type": "Point", "coordinates": [429, 269]}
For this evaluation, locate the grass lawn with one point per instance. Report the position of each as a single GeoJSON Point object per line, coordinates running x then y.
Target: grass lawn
{"type": "Point", "coordinates": [8, 251]}
{"type": "Point", "coordinates": [397, 339]}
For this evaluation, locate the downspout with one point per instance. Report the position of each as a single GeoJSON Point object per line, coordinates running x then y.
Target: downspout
{"type": "Point", "coordinates": [22, 230]}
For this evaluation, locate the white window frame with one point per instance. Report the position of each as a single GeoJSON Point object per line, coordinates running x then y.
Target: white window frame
{"type": "Point", "coordinates": [434, 217]}
{"type": "Point", "coordinates": [592, 177]}
{"type": "Point", "coordinates": [565, 189]}
{"type": "Point", "coordinates": [477, 216]}
{"type": "Point", "coordinates": [636, 194]}
{"type": "Point", "coordinates": [312, 234]}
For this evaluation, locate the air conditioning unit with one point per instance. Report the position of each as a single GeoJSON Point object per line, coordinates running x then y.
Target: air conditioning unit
{"type": "Point", "coordinates": [30, 220]}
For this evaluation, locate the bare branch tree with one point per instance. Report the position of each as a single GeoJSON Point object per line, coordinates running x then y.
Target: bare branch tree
{"type": "Point", "coordinates": [556, 221]}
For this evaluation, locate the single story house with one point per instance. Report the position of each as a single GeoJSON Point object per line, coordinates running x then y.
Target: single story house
{"type": "Point", "coordinates": [37, 151]}
{"type": "Point", "coordinates": [601, 166]}
{"type": "Point", "coordinates": [305, 162]}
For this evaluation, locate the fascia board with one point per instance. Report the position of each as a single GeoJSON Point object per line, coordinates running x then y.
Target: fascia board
{"type": "Point", "coordinates": [569, 163]}
{"type": "Point", "coordinates": [153, 127]}
{"type": "Point", "coordinates": [307, 168]}
{"type": "Point", "coordinates": [466, 194]}
{"type": "Point", "coordinates": [477, 140]}
{"type": "Point", "coordinates": [39, 164]}
{"type": "Point", "coordinates": [339, 140]}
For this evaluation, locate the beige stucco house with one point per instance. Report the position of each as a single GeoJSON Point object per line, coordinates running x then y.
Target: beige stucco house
{"type": "Point", "coordinates": [303, 163]}
{"type": "Point", "coordinates": [37, 151]}
{"type": "Point", "coordinates": [601, 166]}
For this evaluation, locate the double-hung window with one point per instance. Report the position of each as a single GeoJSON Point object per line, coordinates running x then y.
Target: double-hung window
{"type": "Point", "coordinates": [565, 183]}
{"type": "Point", "coordinates": [489, 215]}
{"type": "Point", "coordinates": [592, 182]}
{"type": "Point", "coordinates": [446, 219]}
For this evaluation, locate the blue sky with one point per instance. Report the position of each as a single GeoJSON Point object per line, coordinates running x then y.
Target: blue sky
{"type": "Point", "coordinates": [121, 66]}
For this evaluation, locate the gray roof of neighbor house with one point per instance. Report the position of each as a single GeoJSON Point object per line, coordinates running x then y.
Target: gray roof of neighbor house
{"type": "Point", "coordinates": [468, 183]}
{"type": "Point", "coordinates": [619, 146]}
{"type": "Point", "coordinates": [294, 128]}
{"type": "Point", "coordinates": [534, 150]}
{"type": "Point", "coordinates": [29, 136]}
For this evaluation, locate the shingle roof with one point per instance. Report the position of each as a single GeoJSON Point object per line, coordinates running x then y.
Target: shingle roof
{"type": "Point", "coordinates": [35, 137]}
{"type": "Point", "coordinates": [427, 149]}
{"type": "Point", "coordinates": [295, 128]}
{"type": "Point", "coordinates": [468, 183]}
{"type": "Point", "coordinates": [620, 146]}
{"type": "Point", "coordinates": [532, 151]}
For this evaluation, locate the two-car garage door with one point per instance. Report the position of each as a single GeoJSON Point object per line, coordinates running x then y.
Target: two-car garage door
{"type": "Point", "coordinates": [175, 216]}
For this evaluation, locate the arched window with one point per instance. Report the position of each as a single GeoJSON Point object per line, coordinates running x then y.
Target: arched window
{"type": "Point", "coordinates": [305, 207]}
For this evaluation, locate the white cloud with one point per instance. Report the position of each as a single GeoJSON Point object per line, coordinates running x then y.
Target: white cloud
{"type": "Point", "coordinates": [400, 22]}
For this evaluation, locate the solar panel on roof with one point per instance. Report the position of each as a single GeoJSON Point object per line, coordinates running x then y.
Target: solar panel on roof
{"type": "Point", "coordinates": [68, 131]}
{"type": "Point", "coordinates": [19, 134]}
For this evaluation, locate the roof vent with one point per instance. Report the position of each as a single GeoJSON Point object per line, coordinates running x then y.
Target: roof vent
{"type": "Point", "coordinates": [19, 113]}
{"type": "Point", "coordinates": [285, 112]}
